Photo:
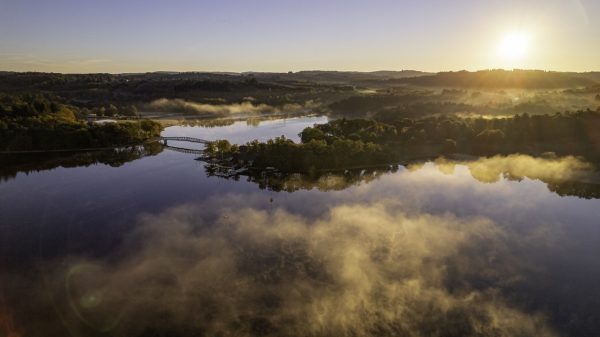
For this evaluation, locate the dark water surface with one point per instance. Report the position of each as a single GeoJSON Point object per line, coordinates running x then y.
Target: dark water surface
{"type": "Point", "coordinates": [502, 246]}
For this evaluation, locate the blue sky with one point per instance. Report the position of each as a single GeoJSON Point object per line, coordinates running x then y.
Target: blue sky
{"type": "Point", "coordinates": [245, 35]}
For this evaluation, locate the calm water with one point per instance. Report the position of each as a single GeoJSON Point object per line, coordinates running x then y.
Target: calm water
{"type": "Point", "coordinates": [499, 246]}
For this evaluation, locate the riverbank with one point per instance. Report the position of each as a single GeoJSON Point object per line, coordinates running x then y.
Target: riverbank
{"type": "Point", "coordinates": [47, 134]}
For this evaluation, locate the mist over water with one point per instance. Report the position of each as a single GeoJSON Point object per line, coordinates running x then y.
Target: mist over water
{"type": "Point", "coordinates": [245, 108]}
{"type": "Point", "coordinates": [483, 247]}
{"type": "Point", "coordinates": [300, 168]}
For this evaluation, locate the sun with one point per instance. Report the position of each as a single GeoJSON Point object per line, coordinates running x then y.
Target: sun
{"type": "Point", "coordinates": [514, 46]}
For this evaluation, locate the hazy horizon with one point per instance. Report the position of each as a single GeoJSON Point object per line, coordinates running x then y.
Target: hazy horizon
{"type": "Point", "coordinates": [294, 71]}
{"type": "Point", "coordinates": [70, 36]}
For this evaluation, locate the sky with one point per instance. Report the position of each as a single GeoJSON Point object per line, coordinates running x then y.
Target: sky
{"type": "Point", "coordinates": [280, 35]}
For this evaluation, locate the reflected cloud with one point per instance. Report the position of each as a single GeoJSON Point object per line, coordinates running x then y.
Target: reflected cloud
{"type": "Point", "coordinates": [426, 251]}
{"type": "Point", "coordinates": [565, 175]}
{"type": "Point", "coordinates": [360, 270]}
{"type": "Point", "coordinates": [492, 169]}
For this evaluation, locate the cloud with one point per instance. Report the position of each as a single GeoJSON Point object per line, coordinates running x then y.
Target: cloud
{"type": "Point", "coordinates": [28, 62]}
{"type": "Point", "coordinates": [361, 270]}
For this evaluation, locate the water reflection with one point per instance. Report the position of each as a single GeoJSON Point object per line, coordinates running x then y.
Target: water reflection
{"type": "Point", "coordinates": [567, 176]}
{"type": "Point", "coordinates": [428, 250]}
{"type": "Point", "coordinates": [451, 247]}
{"type": "Point", "coordinates": [22, 163]}
{"type": "Point", "coordinates": [240, 132]}
{"type": "Point", "coordinates": [362, 270]}
{"type": "Point", "coordinates": [275, 181]}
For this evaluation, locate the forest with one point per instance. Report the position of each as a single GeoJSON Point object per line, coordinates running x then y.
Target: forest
{"type": "Point", "coordinates": [384, 95]}
{"type": "Point", "coordinates": [468, 112]}
{"type": "Point", "coordinates": [360, 143]}
{"type": "Point", "coordinates": [31, 122]}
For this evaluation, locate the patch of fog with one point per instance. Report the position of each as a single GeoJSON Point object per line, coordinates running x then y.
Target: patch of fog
{"type": "Point", "coordinates": [246, 107]}
{"type": "Point", "coordinates": [105, 121]}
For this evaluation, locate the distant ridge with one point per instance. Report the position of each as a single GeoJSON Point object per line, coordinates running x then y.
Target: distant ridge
{"type": "Point", "coordinates": [490, 79]}
{"type": "Point", "coordinates": [332, 76]}
{"type": "Point", "coordinates": [521, 79]}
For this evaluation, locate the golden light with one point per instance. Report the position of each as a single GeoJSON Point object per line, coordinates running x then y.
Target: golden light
{"type": "Point", "coordinates": [514, 46]}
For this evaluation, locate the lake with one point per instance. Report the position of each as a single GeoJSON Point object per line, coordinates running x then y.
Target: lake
{"type": "Point", "coordinates": [147, 243]}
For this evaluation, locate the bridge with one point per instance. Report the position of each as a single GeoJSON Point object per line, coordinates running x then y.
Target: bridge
{"type": "Point", "coordinates": [184, 150]}
{"type": "Point", "coordinates": [165, 141]}
{"type": "Point", "coordinates": [182, 139]}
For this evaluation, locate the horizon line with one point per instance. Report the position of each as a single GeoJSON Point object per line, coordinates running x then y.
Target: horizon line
{"type": "Point", "coordinates": [296, 71]}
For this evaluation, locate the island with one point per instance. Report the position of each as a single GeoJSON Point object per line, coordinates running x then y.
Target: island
{"type": "Point", "coordinates": [343, 144]}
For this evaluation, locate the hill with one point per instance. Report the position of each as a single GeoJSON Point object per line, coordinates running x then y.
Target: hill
{"type": "Point", "coordinates": [504, 79]}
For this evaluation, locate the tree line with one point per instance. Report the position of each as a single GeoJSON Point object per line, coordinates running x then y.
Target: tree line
{"type": "Point", "coordinates": [351, 143]}
{"type": "Point", "coordinates": [43, 122]}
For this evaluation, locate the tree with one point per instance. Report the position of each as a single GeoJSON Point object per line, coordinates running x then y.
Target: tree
{"type": "Point", "coordinates": [100, 112]}
{"type": "Point", "coordinates": [310, 134]}
{"type": "Point", "coordinates": [130, 111]}
{"type": "Point", "coordinates": [112, 110]}
{"type": "Point", "coordinates": [449, 146]}
{"type": "Point", "coordinates": [220, 148]}
{"type": "Point", "coordinates": [66, 113]}
{"type": "Point", "coordinates": [489, 141]}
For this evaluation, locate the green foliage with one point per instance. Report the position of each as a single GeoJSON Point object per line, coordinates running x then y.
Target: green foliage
{"type": "Point", "coordinates": [130, 111]}
{"type": "Point", "coordinates": [343, 144]}
{"type": "Point", "coordinates": [355, 129]}
{"type": "Point", "coordinates": [97, 92]}
{"type": "Point", "coordinates": [39, 122]}
{"type": "Point", "coordinates": [219, 148]}
{"type": "Point", "coordinates": [111, 110]}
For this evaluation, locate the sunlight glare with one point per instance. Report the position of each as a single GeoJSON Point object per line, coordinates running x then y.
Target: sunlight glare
{"type": "Point", "coordinates": [514, 46]}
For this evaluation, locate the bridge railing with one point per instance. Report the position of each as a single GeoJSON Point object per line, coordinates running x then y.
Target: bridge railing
{"type": "Point", "coordinates": [184, 139]}
{"type": "Point", "coordinates": [184, 150]}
